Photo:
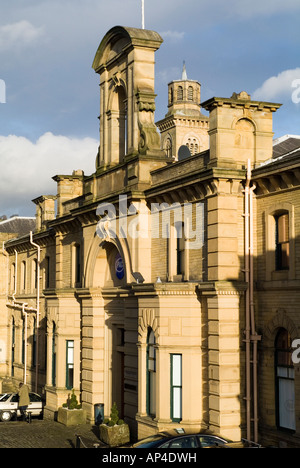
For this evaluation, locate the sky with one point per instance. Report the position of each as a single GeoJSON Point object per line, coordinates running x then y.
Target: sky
{"type": "Point", "coordinates": [49, 93]}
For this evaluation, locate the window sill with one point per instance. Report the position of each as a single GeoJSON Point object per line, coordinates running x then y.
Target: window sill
{"type": "Point", "coordinates": [280, 275]}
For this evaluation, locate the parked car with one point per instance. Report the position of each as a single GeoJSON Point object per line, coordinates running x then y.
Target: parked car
{"type": "Point", "coordinates": [180, 438]}
{"type": "Point", "coordinates": [244, 443]}
{"type": "Point", "coordinates": [9, 403]}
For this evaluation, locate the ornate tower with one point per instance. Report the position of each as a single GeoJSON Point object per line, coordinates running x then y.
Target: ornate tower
{"type": "Point", "coordinates": [184, 130]}
{"type": "Point", "coordinates": [125, 63]}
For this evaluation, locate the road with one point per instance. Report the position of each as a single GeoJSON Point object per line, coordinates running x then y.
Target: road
{"type": "Point", "coordinates": [46, 434]}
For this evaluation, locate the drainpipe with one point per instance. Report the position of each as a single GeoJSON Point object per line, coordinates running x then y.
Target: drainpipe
{"type": "Point", "coordinates": [7, 266]}
{"type": "Point", "coordinates": [20, 305]}
{"type": "Point", "coordinates": [247, 305]}
{"type": "Point", "coordinates": [16, 275]}
{"type": "Point", "coordinates": [37, 310]}
{"type": "Point", "coordinates": [25, 339]}
{"type": "Point", "coordinates": [254, 336]}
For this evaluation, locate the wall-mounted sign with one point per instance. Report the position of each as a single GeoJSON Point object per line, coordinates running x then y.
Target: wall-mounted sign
{"type": "Point", "coordinates": [119, 266]}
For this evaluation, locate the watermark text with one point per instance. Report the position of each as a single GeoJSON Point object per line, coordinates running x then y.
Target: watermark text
{"type": "Point", "coordinates": [160, 221]}
{"type": "Point", "coordinates": [2, 92]}
{"type": "Point", "coordinates": [296, 93]}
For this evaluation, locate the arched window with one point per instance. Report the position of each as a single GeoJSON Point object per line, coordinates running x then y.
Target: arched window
{"type": "Point", "coordinates": [285, 375]}
{"type": "Point", "coordinates": [190, 93]}
{"type": "Point", "coordinates": [179, 248]}
{"type": "Point", "coordinates": [118, 125]}
{"type": "Point", "coordinates": [47, 272]}
{"type": "Point", "coordinates": [13, 277]}
{"type": "Point", "coordinates": [23, 276]}
{"type": "Point", "coordinates": [180, 93]}
{"type": "Point", "coordinates": [76, 267]}
{"type": "Point", "coordinates": [151, 373]}
{"type": "Point", "coordinates": [282, 241]}
{"type": "Point", "coordinates": [171, 96]}
{"type": "Point", "coordinates": [34, 274]}
{"type": "Point", "coordinates": [168, 147]}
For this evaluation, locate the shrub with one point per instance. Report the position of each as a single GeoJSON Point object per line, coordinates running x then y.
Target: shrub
{"type": "Point", "coordinates": [114, 417]}
{"type": "Point", "coordinates": [72, 402]}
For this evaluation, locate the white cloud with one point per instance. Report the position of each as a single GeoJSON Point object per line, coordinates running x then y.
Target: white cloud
{"type": "Point", "coordinates": [166, 75]}
{"type": "Point", "coordinates": [278, 87]}
{"type": "Point", "coordinates": [19, 34]}
{"type": "Point", "coordinates": [28, 168]}
{"type": "Point", "coordinates": [172, 36]}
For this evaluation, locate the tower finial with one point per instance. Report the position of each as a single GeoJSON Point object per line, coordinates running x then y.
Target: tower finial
{"type": "Point", "coordinates": [143, 14]}
{"type": "Point", "coordinates": [184, 74]}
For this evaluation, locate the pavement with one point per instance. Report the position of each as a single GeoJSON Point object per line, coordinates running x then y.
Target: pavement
{"type": "Point", "coordinates": [48, 434]}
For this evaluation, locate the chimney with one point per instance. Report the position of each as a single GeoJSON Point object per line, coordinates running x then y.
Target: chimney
{"type": "Point", "coordinates": [45, 210]}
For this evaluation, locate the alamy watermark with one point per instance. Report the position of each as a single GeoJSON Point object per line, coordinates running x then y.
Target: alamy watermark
{"type": "Point", "coordinates": [138, 221]}
{"type": "Point", "coordinates": [2, 92]}
{"type": "Point", "coordinates": [296, 93]}
{"type": "Point", "coordinates": [296, 353]}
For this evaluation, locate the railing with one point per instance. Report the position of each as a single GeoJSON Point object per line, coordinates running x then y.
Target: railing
{"type": "Point", "coordinates": [80, 443]}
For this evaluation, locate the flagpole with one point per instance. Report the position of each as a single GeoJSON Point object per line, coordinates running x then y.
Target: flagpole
{"type": "Point", "coordinates": [143, 14]}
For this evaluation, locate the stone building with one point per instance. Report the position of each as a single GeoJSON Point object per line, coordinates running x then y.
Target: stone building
{"type": "Point", "coordinates": [154, 281]}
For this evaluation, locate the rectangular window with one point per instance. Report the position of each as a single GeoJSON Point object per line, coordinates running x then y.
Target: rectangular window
{"type": "Point", "coordinates": [13, 277]}
{"type": "Point", "coordinates": [151, 374]}
{"type": "Point", "coordinates": [70, 365]}
{"type": "Point", "coordinates": [180, 241]}
{"type": "Point", "coordinates": [282, 242]}
{"type": "Point", "coordinates": [23, 276]}
{"type": "Point", "coordinates": [176, 387]}
{"type": "Point", "coordinates": [77, 265]}
{"type": "Point", "coordinates": [47, 272]}
{"type": "Point", "coordinates": [34, 274]}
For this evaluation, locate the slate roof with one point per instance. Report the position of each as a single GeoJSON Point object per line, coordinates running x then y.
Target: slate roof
{"type": "Point", "coordinates": [18, 225]}
{"type": "Point", "coordinates": [286, 145]}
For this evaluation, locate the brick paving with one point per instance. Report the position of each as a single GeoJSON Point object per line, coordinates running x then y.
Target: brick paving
{"type": "Point", "coordinates": [47, 434]}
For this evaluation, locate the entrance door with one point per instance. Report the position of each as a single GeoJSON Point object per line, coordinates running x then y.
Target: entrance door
{"type": "Point", "coordinates": [118, 365]}
{"type": "Point", "coordinates": [285, 385]}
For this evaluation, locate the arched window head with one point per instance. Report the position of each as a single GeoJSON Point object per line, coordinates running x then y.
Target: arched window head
{"type": "Point", "coordinates": [117, 124]}
{"type": "Point", "coordinates": [180, 241]}
{"type": "Point", "coordinates": [168, 147]}
{"type": "Point", "coordinates": [171, 96]}
{"type": "Point", "coordinates": [190, 93]}
{"type": "Point", "coordinates": [180, 93]}
{"type": "Point", "coordinates": [23, 276]}
{"type": "Point", "coordinates": [282, 244]}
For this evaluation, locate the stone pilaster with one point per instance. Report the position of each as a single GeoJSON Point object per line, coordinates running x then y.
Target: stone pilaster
{"type": "Point", "coordinates": [224, 392]}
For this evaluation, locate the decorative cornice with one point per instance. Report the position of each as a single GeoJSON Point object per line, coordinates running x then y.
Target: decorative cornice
{"type": "Point", "coordinates": [273, 181]}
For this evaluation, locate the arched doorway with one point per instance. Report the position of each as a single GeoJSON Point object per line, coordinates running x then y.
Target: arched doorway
{"type": "Point", "coordinates": [103, 329]}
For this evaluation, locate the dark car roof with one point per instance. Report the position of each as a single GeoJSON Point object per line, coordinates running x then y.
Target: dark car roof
{"type": "Point", "coordinates": [188, 431]}
{"type": "Point", "coordinates": [178, 432]}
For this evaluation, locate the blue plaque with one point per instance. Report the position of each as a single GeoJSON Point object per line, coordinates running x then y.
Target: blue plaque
{"type": "Point", "coordinates": [119, 266]}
